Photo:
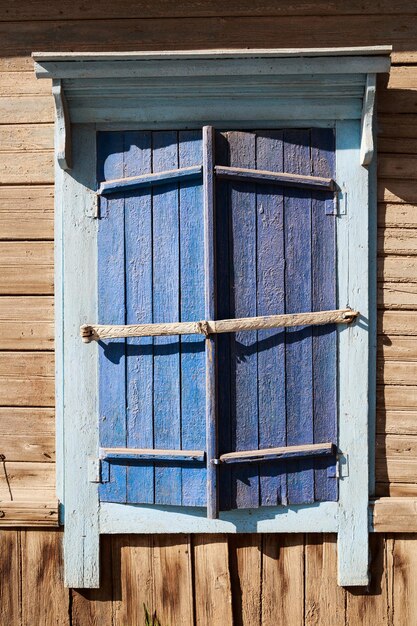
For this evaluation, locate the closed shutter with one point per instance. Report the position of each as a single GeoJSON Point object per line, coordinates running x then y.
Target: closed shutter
{"type": "Point", "coordinates": [274, 251]}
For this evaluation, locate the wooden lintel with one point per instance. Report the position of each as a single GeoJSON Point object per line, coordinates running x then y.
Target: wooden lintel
{"type": "Point", "coordinates": [275, 178]}
{"type": "Point", "coordinates": [367, 138]}
{"type": "Point", "coordinates": [148, 180]}
{"type": "Point", "coordinates": [277, 454]}
{"type": "Point", "coordinates": [151, 454]}
{"type": "Point", "coordinates": [63, 126]}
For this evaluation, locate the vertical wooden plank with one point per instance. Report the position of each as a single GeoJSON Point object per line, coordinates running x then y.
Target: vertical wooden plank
{"type": "Point", "coordinates": [165, 210]}
{"type": "Point", "coordinates": [370, 606]}
{"type": "Point", "coordinates": [210, 313]}
{"type": "Point", "coordinates": [132, 574]}
{"type": "Point", "coordinates": [271, 300]}
{"type": "Point", "coordinates": [94, 607]}
{"type": "Point", "coordinates": [245, 569]}
{"type": "Point", "coordinates": [352, 246]}
{"type": "Point", "coordinates": [212, 586]}
{"type": "Point", "coordinates": [299, 371]}
{"type": "Point", "coordinates": [324, 599]}
{"type": "Point", "coordinates": [10, 575]}
{"type": "Point", "coordinates": [283, 580]}
{"type": "Point", "coordinates": [323, 260]}
{"type": "Point", "coordinates": [244, 361]}
{"type": "Point", "coordinates": [45, 600]}
{"type": "Point", "coordinates": [172, 579]}
{"type": "Point", "coordinates": [193, 391]}
{"type": "Point", "coordinates": [139, 351]}
{"type": "Point", "coordinates": [405, 575]}
{"type": "Point", "coordinates": [111, 310]}
{"type": "Point", "coordinates": [224, 311]}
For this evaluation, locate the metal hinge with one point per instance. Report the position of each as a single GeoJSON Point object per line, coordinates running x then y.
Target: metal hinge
{"type": "Point", "coordinates": [98, 472]}
{"type": "Point", "coordinates": [341, 202]}
{"type": "Point", "coordinates": [342, 465]}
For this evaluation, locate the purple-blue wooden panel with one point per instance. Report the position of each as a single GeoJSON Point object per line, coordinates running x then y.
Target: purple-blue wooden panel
{"type": "Point", "coordinates": [275, 253]}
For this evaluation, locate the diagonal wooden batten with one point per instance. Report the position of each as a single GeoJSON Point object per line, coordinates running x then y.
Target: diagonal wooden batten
{"type": "Point", "coordinates": [151, 454]}
{"type": "Point", "coordinates": [277, 178]}
{"type": "Point", "coordinates": [276, 454]}
{"type": "Point", "coordinates": [148, 180]}
{"type": "Point", "coordinates": [94, 332]}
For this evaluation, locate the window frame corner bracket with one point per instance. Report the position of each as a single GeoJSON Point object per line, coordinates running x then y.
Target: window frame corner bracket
{"type": "Point", "coordinates": [62, 126]}
{"type": "Point", "coordinates": [367, 148]}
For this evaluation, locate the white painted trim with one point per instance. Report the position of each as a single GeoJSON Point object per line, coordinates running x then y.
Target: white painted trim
{"type": "Point", "coordinates": [367, 139]}
{"type": "Point", "coordinates": [62, 126]}
{"type": "Point", "coordinates": [353, 282]}
{"type": "Point", "coordinates": [79, 280]}
{"type": "Point", "coordinates": [125, 518]}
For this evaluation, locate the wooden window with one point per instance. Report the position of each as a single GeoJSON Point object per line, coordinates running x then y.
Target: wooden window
{"type": "Point", "coordinates": [207, 200]}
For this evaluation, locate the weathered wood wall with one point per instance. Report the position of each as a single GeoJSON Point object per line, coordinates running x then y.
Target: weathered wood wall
{"type": "Point", "coordinates": [244, 580]}
{"type": "Point", "coordinates": [289, 580]}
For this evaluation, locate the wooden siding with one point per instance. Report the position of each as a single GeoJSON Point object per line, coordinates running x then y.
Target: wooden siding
{"type": "Point", "coordinates": [197, 580]}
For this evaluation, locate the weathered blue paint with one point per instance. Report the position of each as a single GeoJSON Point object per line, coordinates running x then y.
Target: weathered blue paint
{"type": "Point", "coordinates": [166, 308]}
{"type": "Point", "coordinates": [271, 300]}
{"type": "Point", "coordinates": [264, 176]}
{"type": "Point", "coordinates": [149, 180]}
{"type": "Point", "coordinates": [323, 255]}
{"type": "Point", "coordinates": [139, 300]}
{"type": "Point", "coordinates": [299, 407]}
{"type": "Point", "coordinates": [193, 387]}
{"type": "Point", "coordinates": [111, 306]}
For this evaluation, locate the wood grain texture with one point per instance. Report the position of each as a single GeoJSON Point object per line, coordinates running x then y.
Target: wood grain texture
{"type": "Point", "coordinates": [27, 379]}
{"type": "Point", "coordinates": [26, 323]}
{"type": "Point", "coordinates": [31, 514]}
{"type": "Point", "coordinates": [397, 422]}
{"type": "Point", "coordinates": [27, 434]}
{"type": "Point", "coordinates": [398, 512]}
{"type": "Point", "coordinates": [404, 563]}
{"type": "Point", "coordinates": [213, 591]}
{"type": "Point", "coordinates": [26, 212]}
{"type": "Point", "coordinates": [245, 557]}
{"type": "Point", "coordinates": [27, 482]}
{"type": "Point", "coordinates": [397, 296]}
{"type": "Point", "coordinates": [26, 268]}
{"type": "Point", "coordinates": [10, 593]}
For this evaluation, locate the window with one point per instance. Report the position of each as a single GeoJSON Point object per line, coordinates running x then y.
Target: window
{"type": "Point", "coordinates": [213, 245]}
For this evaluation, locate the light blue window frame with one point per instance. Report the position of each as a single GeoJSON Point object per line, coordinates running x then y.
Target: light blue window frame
{"type": "Point", "coordinates": [245, 89]}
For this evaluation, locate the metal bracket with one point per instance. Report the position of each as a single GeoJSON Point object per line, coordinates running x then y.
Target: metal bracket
{"type": "Point", "coordinates": [367, 139]}
{"type": "Point", "coordinates": [97, 471]}
{"type": "Point", "coordinates": [342, 465]}
{"type": "Point", "coordinates": [63, 126]}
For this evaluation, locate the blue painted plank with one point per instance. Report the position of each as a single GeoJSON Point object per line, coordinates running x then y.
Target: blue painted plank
{"type": "Point", "coordinates": [131, 182]}
{"type": "Point", "coordinates": [324, 297]}
{"type": "Point", "coordinates": [298, 276]}
{"type": "Point", "coordinates": [139, 350]}
{"type": "Point", "coordinates": [224, 311]}
{"type": "Point", "coordinates": [244, 362]}
{"type": "Point", "coordinates": [111, 310]}
{"type": "Point", "coordinates": [193, 421]}
{"type": "Point", "coordinates": [167, 401]}
{"type": "Point", "coordinates": [271, 300]}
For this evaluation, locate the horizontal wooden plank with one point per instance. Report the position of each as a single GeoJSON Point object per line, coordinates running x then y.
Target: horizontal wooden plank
{"type": "Point", "coordinates": [394, 515]}
{"type": "Point", "coordinates": [396, 348]}
{"type": "Point", "coordinates": [26, 137]}
{"type": "Point", "coordinates": [396, 490]}
{"type": "Point", "coordinates": [397, 165]}
{"type": "Point", "coordinates": [396, 446]}
{"type": "Point", "coordinates": [396, 470]}
{"type": "Point", "coordinates": [397, 372]}
{"type": "Point", "coordinates": [26, 109]}
{"type": "Point", "coordinates": [27, 482]}
{"type": "Point", "coordinates": [33, 514]}
{"type": "Point", "coordinates": [397, 241]}
{"type": "Point", "coordinates": [398, 323]}
{"type": "Point", "coordinates": [27, 379]}
{"type": "Point", "coordinates": [26, 323]}
{"type": "Point", "coordinates": [397, 296]}
{"type": "Point", "coordinates": [26, 212]}
{"type": "Point", "coordinates": [151, 454]}
{"type": "Point", "coordinates": [164, 8]}
{"type": "Point", "coordinates": [252, 31]}
{"type": "Point", "coordinates": [22, 84]}
{"type": "Point", "coordinates": [397, 126]}
{"type": "Point", "coordinates": [393, 215]}
{"type": "Point", "coordinates": [26, 167]}
{"type": "Point", "coordinates": [26, 268]}
{"type": "Point", "coordinates": [397, 145]}
{"type": "Point", "coordinates": [148, 180]}
{"type": "Point", "coordinates": [397, 397]}
{"type": "Point", "coordinates": [401, 269]}
{"type": "Point", "coordinates": [403, 77]}
{"type": "Point", "coordinates": [27, 434]}
{"type": "Point", "coordinates": [396, 422]}
{"type": "Point", "coordinates": [397, 190]}
{"type": "Point", "coordinates": [272, 454]}
{"type": "Point", "coordinates": [278, 178]}
{"type": "Point", "coordinates": [397, 101]}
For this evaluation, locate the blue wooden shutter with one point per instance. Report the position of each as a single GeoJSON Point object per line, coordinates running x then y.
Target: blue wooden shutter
{"type": "Point", "coordinates": [275, 253]}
